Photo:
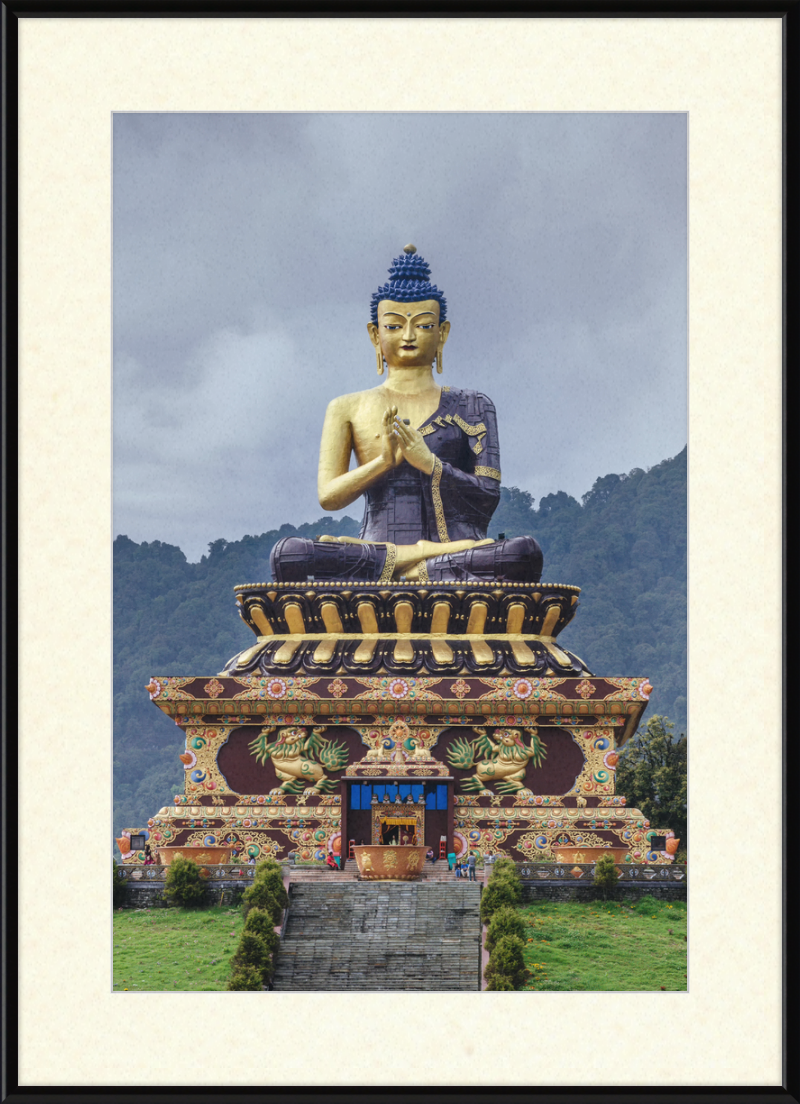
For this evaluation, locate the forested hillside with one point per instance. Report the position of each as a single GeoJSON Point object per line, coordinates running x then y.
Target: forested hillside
{"type": "Point", "coordinates": [624, 545]}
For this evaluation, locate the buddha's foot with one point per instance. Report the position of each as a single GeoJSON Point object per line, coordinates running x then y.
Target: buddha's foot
{"type": "Point", "coordinates": [342, 540]}
{"type": "Point", "coordinates": [410, 557]}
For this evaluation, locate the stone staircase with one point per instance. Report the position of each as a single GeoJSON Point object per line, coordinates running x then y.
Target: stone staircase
{"type": "Point", "coordinates": [349, 935]}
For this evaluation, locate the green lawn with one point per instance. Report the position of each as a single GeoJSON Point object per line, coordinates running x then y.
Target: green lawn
{"type": "Point", "coordinates": [174, 949]}
{"type": "Point", "coordinates": [570, 946]}
{"type": "Point", "coordinates": [606, 946]}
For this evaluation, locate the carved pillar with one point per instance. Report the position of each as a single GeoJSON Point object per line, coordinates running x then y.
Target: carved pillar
{"type": "Point", "coordinates": [343, 822]}
{"type": "Point", "coordinates": [450, 817]}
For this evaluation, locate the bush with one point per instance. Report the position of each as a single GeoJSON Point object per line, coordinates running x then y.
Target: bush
{"type": "Point", "coordinates": [259, 895]}
{"type": "Point", "coordinates": [184, 886]}
{"type": "Point", "coordinates": [606, 876]}
{"type": "Point", "coordinates": [505, 921]}
{"type": "Point", "coordinates": [504, 866]}
{"type": "Point", "coordinates": [253, 951]}
{"type": "Point", "coordinates": [254, 955]}
{"type": "Point", "coordinates": [246, 978]}
{"type": "Point", "coordinates": [270, 873]}
{"type": "Point", "coordinates": [506, 961]}
{"type": "Point", "coordinates": [260, 923]}
{"type": "Point", "coordinates": [117, 884]}
{"type": "Point", "coordinates": [500, 984]}
{"type": "Point", "coordinates": [504, 889]}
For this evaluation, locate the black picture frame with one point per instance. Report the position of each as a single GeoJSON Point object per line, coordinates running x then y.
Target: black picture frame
{"type": "Point", "coordinates": [15, 11]}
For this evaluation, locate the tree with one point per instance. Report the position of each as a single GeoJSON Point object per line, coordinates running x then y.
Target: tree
{"type": "Point", "coordinates": [606, 876]}
{"type": "Point", "coordinates": [183, 885]}
{"type": "Point", "coordinates": [505, 921]}
{"type": "Point", "coordinates": [506, 961]}
{"type": "Point", "coordinates": [504, 889]}
{"type": "Point", "coordinates": [652, 775]}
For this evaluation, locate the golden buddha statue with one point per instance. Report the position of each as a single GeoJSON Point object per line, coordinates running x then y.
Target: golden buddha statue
{"type": "Point", "coordinates": [428, 461]}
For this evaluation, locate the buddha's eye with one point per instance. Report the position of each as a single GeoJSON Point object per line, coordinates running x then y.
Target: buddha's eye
{"type": "Point", "coordinates": [392, 327]}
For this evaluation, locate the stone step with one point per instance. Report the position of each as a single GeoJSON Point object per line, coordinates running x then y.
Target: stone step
{"type": "Point", "coordinates": [344, 934]}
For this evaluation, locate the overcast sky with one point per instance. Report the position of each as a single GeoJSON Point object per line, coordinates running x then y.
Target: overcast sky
{"type": "Point", "coordinates": [246, 249]}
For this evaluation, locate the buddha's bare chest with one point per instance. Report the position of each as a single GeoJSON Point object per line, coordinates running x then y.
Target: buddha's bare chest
{"type": "Point", "coordinates": [366, 416]}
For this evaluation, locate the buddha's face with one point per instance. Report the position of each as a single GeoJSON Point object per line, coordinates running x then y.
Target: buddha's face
{"type": "Point", "coordinates": [408, 334]}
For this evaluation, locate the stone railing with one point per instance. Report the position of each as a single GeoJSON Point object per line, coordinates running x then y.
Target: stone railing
{"type": "Point", "coordinates": [573, 872]}
{"type": "Point", "coordinates": [133, 873]}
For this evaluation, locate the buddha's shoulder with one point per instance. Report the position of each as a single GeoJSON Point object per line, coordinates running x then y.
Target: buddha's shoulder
{"type": "Point", "coordinates": [472, 400]}
{"type": "Point", "coordinates": [356, 400]}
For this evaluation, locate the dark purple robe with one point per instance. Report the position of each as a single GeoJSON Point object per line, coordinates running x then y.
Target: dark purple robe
{"type": "Point", "coordinates": [457, 500]}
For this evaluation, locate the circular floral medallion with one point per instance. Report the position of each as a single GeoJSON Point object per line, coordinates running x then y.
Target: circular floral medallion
{"type": "Point", "coordinates": [276, 688]}
{"type": "Point", "coordinates": [522, 689]}
{"type": "Point", "coordinates": [398, 688]}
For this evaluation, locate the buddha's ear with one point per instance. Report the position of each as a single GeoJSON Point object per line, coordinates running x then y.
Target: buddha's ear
{"type": "Point", "coordinates": [374, 337]}
{"type": "Point", "coordinates": [444, 330]}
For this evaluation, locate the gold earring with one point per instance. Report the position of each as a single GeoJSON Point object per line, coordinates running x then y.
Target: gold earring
{"type": "Point", "coordinates": [379, 358]}
{"type": "Point", "coordinates": [439, 361]}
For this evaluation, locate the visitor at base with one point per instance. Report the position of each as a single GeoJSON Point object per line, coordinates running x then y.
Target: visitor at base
{"type": "Point", "coordinates": [148, 855]}
{"type": "Point", "coordinates": [430, 855]}
{"type": "Point", "coordinates": [471, 866]}
{"type": "Point", "coordinates": [331, 861]}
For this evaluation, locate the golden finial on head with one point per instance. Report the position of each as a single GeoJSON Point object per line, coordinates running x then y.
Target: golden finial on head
{"type": "Point", "coordinates": [409, 249]}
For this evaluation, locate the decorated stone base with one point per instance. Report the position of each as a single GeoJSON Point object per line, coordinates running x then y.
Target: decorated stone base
{"type": "Point", "coordinates": [402, 629]}
{"type": "Point", "coordinates": [303, 766]}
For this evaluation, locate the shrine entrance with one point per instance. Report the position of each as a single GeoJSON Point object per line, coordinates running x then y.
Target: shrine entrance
{"type": "Point", "coordinates": [387, 811]}
{"type": "Point", "coordinates": [404, 826]}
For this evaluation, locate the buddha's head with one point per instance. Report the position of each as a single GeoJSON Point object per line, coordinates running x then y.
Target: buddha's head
{"type": "Point", "coordinates": [408, 326]}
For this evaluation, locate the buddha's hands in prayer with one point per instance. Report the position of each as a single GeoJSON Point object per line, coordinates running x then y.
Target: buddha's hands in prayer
{"type": "Point", "coordinates": [390, 446]}
{"type": "Point", "coordinates": [412, 446]}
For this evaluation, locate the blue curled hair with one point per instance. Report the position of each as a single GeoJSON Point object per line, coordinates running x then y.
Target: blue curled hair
{"type": "Point", "coordinates": [409, 282]}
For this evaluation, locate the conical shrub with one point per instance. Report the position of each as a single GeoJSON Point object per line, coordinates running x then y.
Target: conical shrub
{"type": "Point", "coordinates": [505, 921]}
{"type": "Point", "coordinates": [259, 923]}
{"type": "Point", "coordinates": [246, 978]}
{"type": "Point", "coordinates": [506, 960]}
{"type": "Point", "coordinates": [499, 984]}
{"type": "Point", "coordinates": [183, 885]}
{"type": "Point", "coordinates": [270, 873]}
{"type": "Point", "coordinates": [260, 895]}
